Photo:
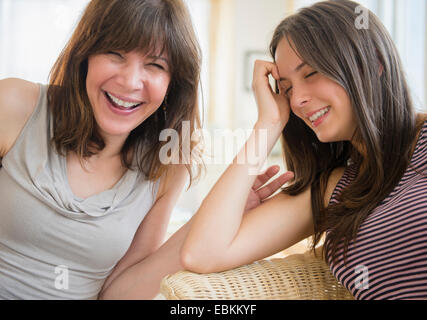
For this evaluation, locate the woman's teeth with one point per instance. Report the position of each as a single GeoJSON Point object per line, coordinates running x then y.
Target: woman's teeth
{"type": "Point", "coordinates": [318, 114]}
{"type": "Point", "coordinates": [122, 103]}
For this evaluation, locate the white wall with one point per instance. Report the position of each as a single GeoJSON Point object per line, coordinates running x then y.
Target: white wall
{"type": "Point", "coordinates": [255, 22]}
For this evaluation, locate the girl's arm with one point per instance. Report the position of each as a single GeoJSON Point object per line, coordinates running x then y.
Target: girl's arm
{"type": "Point", "coordinates": [221, 236]}
{"type": "Point", "coordinates": [275, 225]}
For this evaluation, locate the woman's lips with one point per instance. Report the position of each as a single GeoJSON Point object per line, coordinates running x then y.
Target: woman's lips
{"type": "Point", "coordinates": [119, 109]}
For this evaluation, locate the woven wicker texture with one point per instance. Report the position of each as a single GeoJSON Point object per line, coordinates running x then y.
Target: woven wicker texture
{"type": "Point", "coordinates": [296, 277]}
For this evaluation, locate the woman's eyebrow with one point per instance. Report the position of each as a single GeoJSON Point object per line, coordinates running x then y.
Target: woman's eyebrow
{"type": "Point", "coordinates": [296, 70]}
{"type": "Point", "coordinates": [159, 58]}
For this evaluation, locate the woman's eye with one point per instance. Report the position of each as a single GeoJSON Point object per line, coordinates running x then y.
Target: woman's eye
{"type": "Point", "coordinates": [115, 53]}
{"type": "Point", "coordinates": [156, 65]}
{"type": "Point", "coordinates": [287, 90]}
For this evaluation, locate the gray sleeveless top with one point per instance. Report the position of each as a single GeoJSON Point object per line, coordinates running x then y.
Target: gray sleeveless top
{"type": "Point", "coordinates": [54, 245]}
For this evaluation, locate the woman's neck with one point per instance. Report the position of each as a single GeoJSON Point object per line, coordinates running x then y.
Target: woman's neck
{"type": "Point", "coordinates": [113, 146]}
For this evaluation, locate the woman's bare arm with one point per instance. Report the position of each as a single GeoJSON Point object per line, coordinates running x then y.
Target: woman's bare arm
{"type": "Point", "coordinates": [141, 279]}
{"type": "Point", "coordinates": [150, 234]}
{"type": "Point", "coordinates": [18, 99]}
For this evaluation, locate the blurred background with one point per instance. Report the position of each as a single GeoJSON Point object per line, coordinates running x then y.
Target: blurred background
{"type": "Point", "coordinates": [232, 34]}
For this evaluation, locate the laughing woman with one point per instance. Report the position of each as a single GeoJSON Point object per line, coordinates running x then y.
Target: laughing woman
{"type": "Point", "coordinates": [83, 193]}
{"type": "Point", "coordinates": [357, 155]}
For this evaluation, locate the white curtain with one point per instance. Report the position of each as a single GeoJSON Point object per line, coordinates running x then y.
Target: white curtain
{"type": "Point", "coordinates": [33, 33]}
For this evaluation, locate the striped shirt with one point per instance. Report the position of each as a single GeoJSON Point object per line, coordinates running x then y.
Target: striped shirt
{"type": "Point", "coordinates": [389, 258]}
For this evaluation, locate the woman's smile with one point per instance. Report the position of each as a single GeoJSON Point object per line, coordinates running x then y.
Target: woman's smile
{"type": "Point", "coordinates": [124, 89]}
{"type": "Point", "coordinates": [122, 107]}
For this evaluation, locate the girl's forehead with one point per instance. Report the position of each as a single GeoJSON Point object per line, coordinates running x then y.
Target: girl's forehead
{"type": "Point", "coordinates": [286, 58]}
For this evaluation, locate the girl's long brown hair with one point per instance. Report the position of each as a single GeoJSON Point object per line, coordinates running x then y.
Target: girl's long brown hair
{"type": "Point", "coordinates": [366, 64]}
{"type": "Point", "coordinates": [150, 26]}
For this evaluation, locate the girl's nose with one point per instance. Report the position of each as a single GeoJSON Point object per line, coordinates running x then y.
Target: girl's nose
{"type": "Point", "coordinates": [300, 96]}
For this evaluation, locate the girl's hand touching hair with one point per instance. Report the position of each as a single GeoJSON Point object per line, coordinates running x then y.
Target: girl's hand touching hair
{"type": "Point", "coordinates": [273, 108]}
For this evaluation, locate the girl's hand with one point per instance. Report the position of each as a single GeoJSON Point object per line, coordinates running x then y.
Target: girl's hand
{"type": "Point", "coordinates": [273, 108]}
{"type": "Point", "coordinates": [258, 193]}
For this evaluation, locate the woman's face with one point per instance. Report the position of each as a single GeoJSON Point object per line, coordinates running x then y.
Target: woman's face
{"type": "Point", "coordinates": [124, 89]}
{"type": "Point", "coordinates": [320, 102]}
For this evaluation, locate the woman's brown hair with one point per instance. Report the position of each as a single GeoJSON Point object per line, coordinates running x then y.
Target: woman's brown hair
{"type": "Point", "coordinates": [365, 62]}
{"type": "Point", "coordinates": [150, 26]}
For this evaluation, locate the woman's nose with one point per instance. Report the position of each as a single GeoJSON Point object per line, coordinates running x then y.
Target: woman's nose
{"type": "Point", "coordinates": [133, 77]}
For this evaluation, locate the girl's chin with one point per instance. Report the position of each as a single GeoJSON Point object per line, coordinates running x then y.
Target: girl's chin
{"type": "Point", "coordinates": [328, 139]}
{"type": "Point", "coordinates": [325, 138]}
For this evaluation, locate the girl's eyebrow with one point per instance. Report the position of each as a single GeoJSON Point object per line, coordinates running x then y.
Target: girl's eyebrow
{"type": "Point", "coordinates": [296, 69]}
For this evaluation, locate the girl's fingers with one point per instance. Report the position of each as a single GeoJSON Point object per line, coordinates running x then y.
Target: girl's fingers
{"type": "Point", "coordinates": [264, 177]}
{"type": "Point", "coordinates": [262, 69]}
{"type": "Point", "coordinates": [275, 73]}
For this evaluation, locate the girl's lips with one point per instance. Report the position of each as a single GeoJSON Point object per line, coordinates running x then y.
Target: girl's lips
{"type": "Point", "coordinates": [118, 109]}
{"type": "Point", "coordinates": [308, 115]}
{"type": "Point", "coordinates": [319, 120]}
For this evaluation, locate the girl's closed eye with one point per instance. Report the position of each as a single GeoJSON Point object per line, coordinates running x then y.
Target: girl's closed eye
{"type": "Point", "coordinates": [287, 91]}
{"type": "Point", "coordinates": [311, 74]}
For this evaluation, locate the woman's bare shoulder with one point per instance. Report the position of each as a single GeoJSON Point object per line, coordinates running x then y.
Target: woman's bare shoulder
{"type": "Point", "coordinates": [14, 91]}
{"type": "Point", "coordinates": [18, 98]}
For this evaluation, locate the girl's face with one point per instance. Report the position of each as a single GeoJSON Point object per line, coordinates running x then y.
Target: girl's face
{"type": "Point", "coordinates": [124, 89]}
{"type": "Point", "coordinates": [320, 102]}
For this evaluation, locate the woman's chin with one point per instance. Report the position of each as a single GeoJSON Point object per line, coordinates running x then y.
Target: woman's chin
{"type": "Point", "coordinates": [114, 131]}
